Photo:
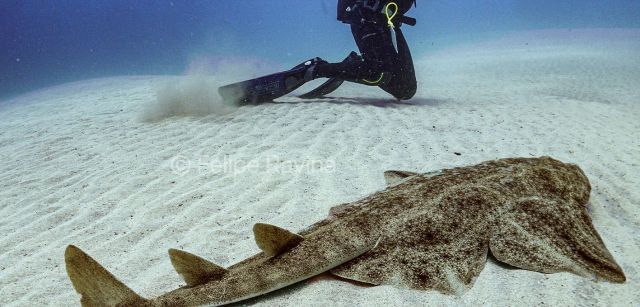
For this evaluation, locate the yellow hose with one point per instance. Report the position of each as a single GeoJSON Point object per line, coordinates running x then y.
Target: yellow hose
{"type": "Point", "coordinates": [390, 17]}
{"type": "Point", "coordinates": [375, 82]}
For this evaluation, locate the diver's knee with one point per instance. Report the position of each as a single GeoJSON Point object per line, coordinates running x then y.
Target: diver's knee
{"type": "Point", "coordinates": [411, 92]}
{"type": "Point", "coordinates": [405, 92]}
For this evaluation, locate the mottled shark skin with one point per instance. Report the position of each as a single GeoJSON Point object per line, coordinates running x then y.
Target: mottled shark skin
{"type": "Point", "coordinates": [425, 231]}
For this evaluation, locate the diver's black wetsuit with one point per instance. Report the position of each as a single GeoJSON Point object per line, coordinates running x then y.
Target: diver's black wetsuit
{"type": "Point", "coordinates": [379, 64]}
{"type": "Point", "coordinates": [384, 61]}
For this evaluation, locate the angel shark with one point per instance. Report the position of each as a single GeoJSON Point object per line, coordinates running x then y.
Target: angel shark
{"type": "Point", "coordinates": [424, 231]}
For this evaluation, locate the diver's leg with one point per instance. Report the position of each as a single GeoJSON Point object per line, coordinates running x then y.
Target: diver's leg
{"type": "Point", "coordinates": [403, 84]}
{"type": "Point", "coordinates": [353, 69]}
{"type": "Point", "coordinates": [394, 68]}
{"type": "Point", "coordinates": [380, 64]}
{"type": "Point", "coordinates": [357, 68]}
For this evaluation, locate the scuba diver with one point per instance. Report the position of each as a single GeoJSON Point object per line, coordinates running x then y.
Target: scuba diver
{"type": "Point", "coordinates": [385, 60]}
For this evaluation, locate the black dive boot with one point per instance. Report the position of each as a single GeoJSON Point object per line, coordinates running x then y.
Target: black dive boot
{"type": "Point", "coordinates": [352, 60]}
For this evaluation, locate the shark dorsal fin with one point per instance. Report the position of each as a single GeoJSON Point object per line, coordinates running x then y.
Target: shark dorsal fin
{"type": "Point", "coordinates": [97, 286]}
{"type": "Point", "coordinates": [194, 269]}
{"type": "Point", "coordinates": [274, 240]}
{"type": "Point", "coordinates": [393, 177]}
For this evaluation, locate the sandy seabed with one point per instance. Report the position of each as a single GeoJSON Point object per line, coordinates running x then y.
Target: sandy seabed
{"type": "Point", "coordinates": [79, 166]}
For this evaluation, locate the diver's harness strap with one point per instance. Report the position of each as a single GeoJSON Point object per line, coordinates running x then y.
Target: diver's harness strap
{"type": "Point", "coordinates": [370, 11]}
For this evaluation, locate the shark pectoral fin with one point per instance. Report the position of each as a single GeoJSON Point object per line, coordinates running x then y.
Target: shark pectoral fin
{"type": "Point", "coordinates": [418, 256]}
{"type": "Point", "coordinates": [448, 268]}
{"type": "Point", "coordinates": [97, 286]}
{"type": "Point", "coordinates": [393, 177]}
{"type": "Point", "coordinates": [274, 240]}
{"type": "Point", "coordinates": [194, 269]}
{"type": "Point", "coordinates": [552, 235]}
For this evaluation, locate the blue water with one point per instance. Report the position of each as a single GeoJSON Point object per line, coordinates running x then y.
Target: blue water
{"type": "Point", "coordinates": [44, 43]}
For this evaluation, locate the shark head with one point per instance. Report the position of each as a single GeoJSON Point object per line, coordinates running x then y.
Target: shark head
{"type": "Point", "coordinates": [565, 180]}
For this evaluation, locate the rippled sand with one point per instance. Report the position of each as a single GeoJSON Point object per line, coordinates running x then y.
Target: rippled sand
{"type": "Point", "coordinates": [80, 167]}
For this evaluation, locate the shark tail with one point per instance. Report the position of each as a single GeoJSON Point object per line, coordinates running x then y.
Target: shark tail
{"type": "Point", "coordinates": [97, 286]}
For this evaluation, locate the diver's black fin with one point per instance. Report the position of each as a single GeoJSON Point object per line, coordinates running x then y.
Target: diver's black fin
{"type": "Point", "coordinates": [263, 89]}
{"type": "Point", "coordinates": [270, 87]}
{"type": "Point", "coordinates": [326, 88]}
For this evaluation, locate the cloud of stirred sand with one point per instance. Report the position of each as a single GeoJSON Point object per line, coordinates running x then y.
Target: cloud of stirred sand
{"type": "Point", "coordinates": [196, 94]}
{"type": "Point", "coordinates": [192, 96]}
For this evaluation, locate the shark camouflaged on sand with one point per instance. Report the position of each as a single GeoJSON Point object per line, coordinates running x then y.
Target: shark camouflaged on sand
{"type": "Point", "coordinates": [425, 231]}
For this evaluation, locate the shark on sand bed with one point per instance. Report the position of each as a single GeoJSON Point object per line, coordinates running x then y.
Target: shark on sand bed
{"type": "Point", "coordinates": [425, 231]}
